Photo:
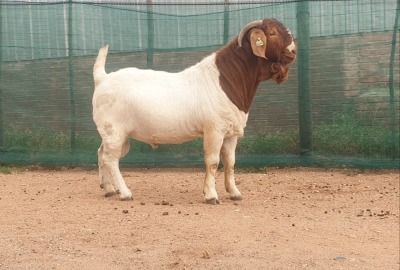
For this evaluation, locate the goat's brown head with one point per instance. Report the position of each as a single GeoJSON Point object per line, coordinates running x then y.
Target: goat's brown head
{"type": "Point", "coordinates": [271, 40]}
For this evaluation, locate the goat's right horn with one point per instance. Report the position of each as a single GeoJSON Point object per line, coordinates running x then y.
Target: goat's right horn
{"type": "Point", "coordinates": [247, 28]}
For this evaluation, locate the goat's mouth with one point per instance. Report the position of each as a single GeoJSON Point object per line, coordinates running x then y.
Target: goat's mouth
{"type": "Point", "coordinates": [288, 57]}
{"type": "Point", "coordinates": [281, 72]}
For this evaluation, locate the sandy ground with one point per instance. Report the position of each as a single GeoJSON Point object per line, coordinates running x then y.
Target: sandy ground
{"type": "Point", "coordinates": [289, 219]}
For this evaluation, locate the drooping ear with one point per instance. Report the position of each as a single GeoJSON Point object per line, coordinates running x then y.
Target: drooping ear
{"type": "Point", "coordinates": [258, 42]}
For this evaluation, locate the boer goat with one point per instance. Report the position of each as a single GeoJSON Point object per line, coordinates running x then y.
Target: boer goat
{"type": "Point", "coordinates": [210, 99]}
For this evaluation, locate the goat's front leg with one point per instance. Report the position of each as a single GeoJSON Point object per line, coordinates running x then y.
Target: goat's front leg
{"type": "Point", "coordinates": [228, 159]}
{"type": "Point", "coordinates": [212, 146]}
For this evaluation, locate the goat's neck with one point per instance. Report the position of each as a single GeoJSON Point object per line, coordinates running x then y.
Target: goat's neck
{"type": "Point", "coordinates": [240, 74]}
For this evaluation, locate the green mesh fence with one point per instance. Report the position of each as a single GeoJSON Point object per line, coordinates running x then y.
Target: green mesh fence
{"type": "Point", "coordinates": [339, 107]}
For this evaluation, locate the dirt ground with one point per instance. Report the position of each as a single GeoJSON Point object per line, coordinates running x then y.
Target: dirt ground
{"type": "Point", "coordinates": [289, 219]}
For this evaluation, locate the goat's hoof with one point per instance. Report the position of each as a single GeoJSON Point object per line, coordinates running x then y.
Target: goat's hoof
{"type": "Point", "coordinates": [110, 194]}
{"type": "Point", "coordinates": [236, 197]}
{"type": "Point", "coordinates": [212, 201]}
{"type": "Point", "coordinates": [126, 199]}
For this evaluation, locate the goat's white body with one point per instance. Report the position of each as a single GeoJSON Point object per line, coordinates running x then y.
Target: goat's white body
{"type": "Point", "coordinates": [157, 107]}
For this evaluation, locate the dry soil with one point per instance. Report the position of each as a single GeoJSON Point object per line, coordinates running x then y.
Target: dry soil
{"type": "Point", "coordinates": [289, 219]}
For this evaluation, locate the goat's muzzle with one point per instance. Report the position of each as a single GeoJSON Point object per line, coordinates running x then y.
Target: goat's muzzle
{"type": "Point", "coordinates": [281, 72]}
{"type": "Point", "coordinates": [288, 57]}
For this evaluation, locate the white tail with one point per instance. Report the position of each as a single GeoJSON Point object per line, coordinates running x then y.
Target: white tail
{"type": "Point", "coordinates": [98, 69]}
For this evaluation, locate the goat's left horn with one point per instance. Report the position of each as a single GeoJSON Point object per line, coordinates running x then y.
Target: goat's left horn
{"type": "Point", "coordinates": [247, 28]}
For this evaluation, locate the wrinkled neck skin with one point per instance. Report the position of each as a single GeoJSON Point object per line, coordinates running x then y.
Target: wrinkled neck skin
{"type": "Point", "coordinates": [241, 72]}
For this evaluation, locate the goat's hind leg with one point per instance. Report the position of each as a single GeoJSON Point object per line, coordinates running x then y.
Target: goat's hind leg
{"type": "Point", "coordinates": [106, 181]}
{"type": "Point", "coordinates": [112, 153]}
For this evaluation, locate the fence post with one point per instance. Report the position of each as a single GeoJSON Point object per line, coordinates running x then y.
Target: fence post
{"type": "Point", "coordinates": [304, 80]}
{"type": "Point", "coordinates": [150, 35]}
{"type": "Point", "coordinates": [394, 125]}
{"type": "Point", "coordinates": [226, 21]}
{"type": "Point", "coordinates": [1, 96]}
{"type": "Point", "coordinates": [71, 78]}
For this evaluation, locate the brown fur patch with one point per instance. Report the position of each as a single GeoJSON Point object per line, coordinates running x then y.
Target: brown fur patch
{"type": "Point", "coordinates": [241, 71]}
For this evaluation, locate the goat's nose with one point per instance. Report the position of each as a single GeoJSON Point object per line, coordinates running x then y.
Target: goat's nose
{"type": "Point", "coordinates": [291, 47]}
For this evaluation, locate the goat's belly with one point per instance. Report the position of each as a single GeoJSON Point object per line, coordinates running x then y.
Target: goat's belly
{"type": "Point", "coordinates": [164, 134]}
{"type": "Point", "coordinates": [155, 140]}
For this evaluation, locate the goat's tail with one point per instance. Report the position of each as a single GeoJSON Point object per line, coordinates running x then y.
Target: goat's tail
{"type": "Point", "coordinates": [99, 71]}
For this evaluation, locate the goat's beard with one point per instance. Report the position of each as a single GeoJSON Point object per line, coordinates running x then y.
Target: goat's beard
{"type": "Point", "coordinates": [281, 72]}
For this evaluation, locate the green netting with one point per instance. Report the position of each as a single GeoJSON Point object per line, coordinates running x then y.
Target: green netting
{"type": "Point", "coordinates": [340, 106]}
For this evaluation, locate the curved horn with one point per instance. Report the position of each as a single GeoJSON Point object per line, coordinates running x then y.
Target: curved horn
{"type": "Point", "coordinates": [247, 28]}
